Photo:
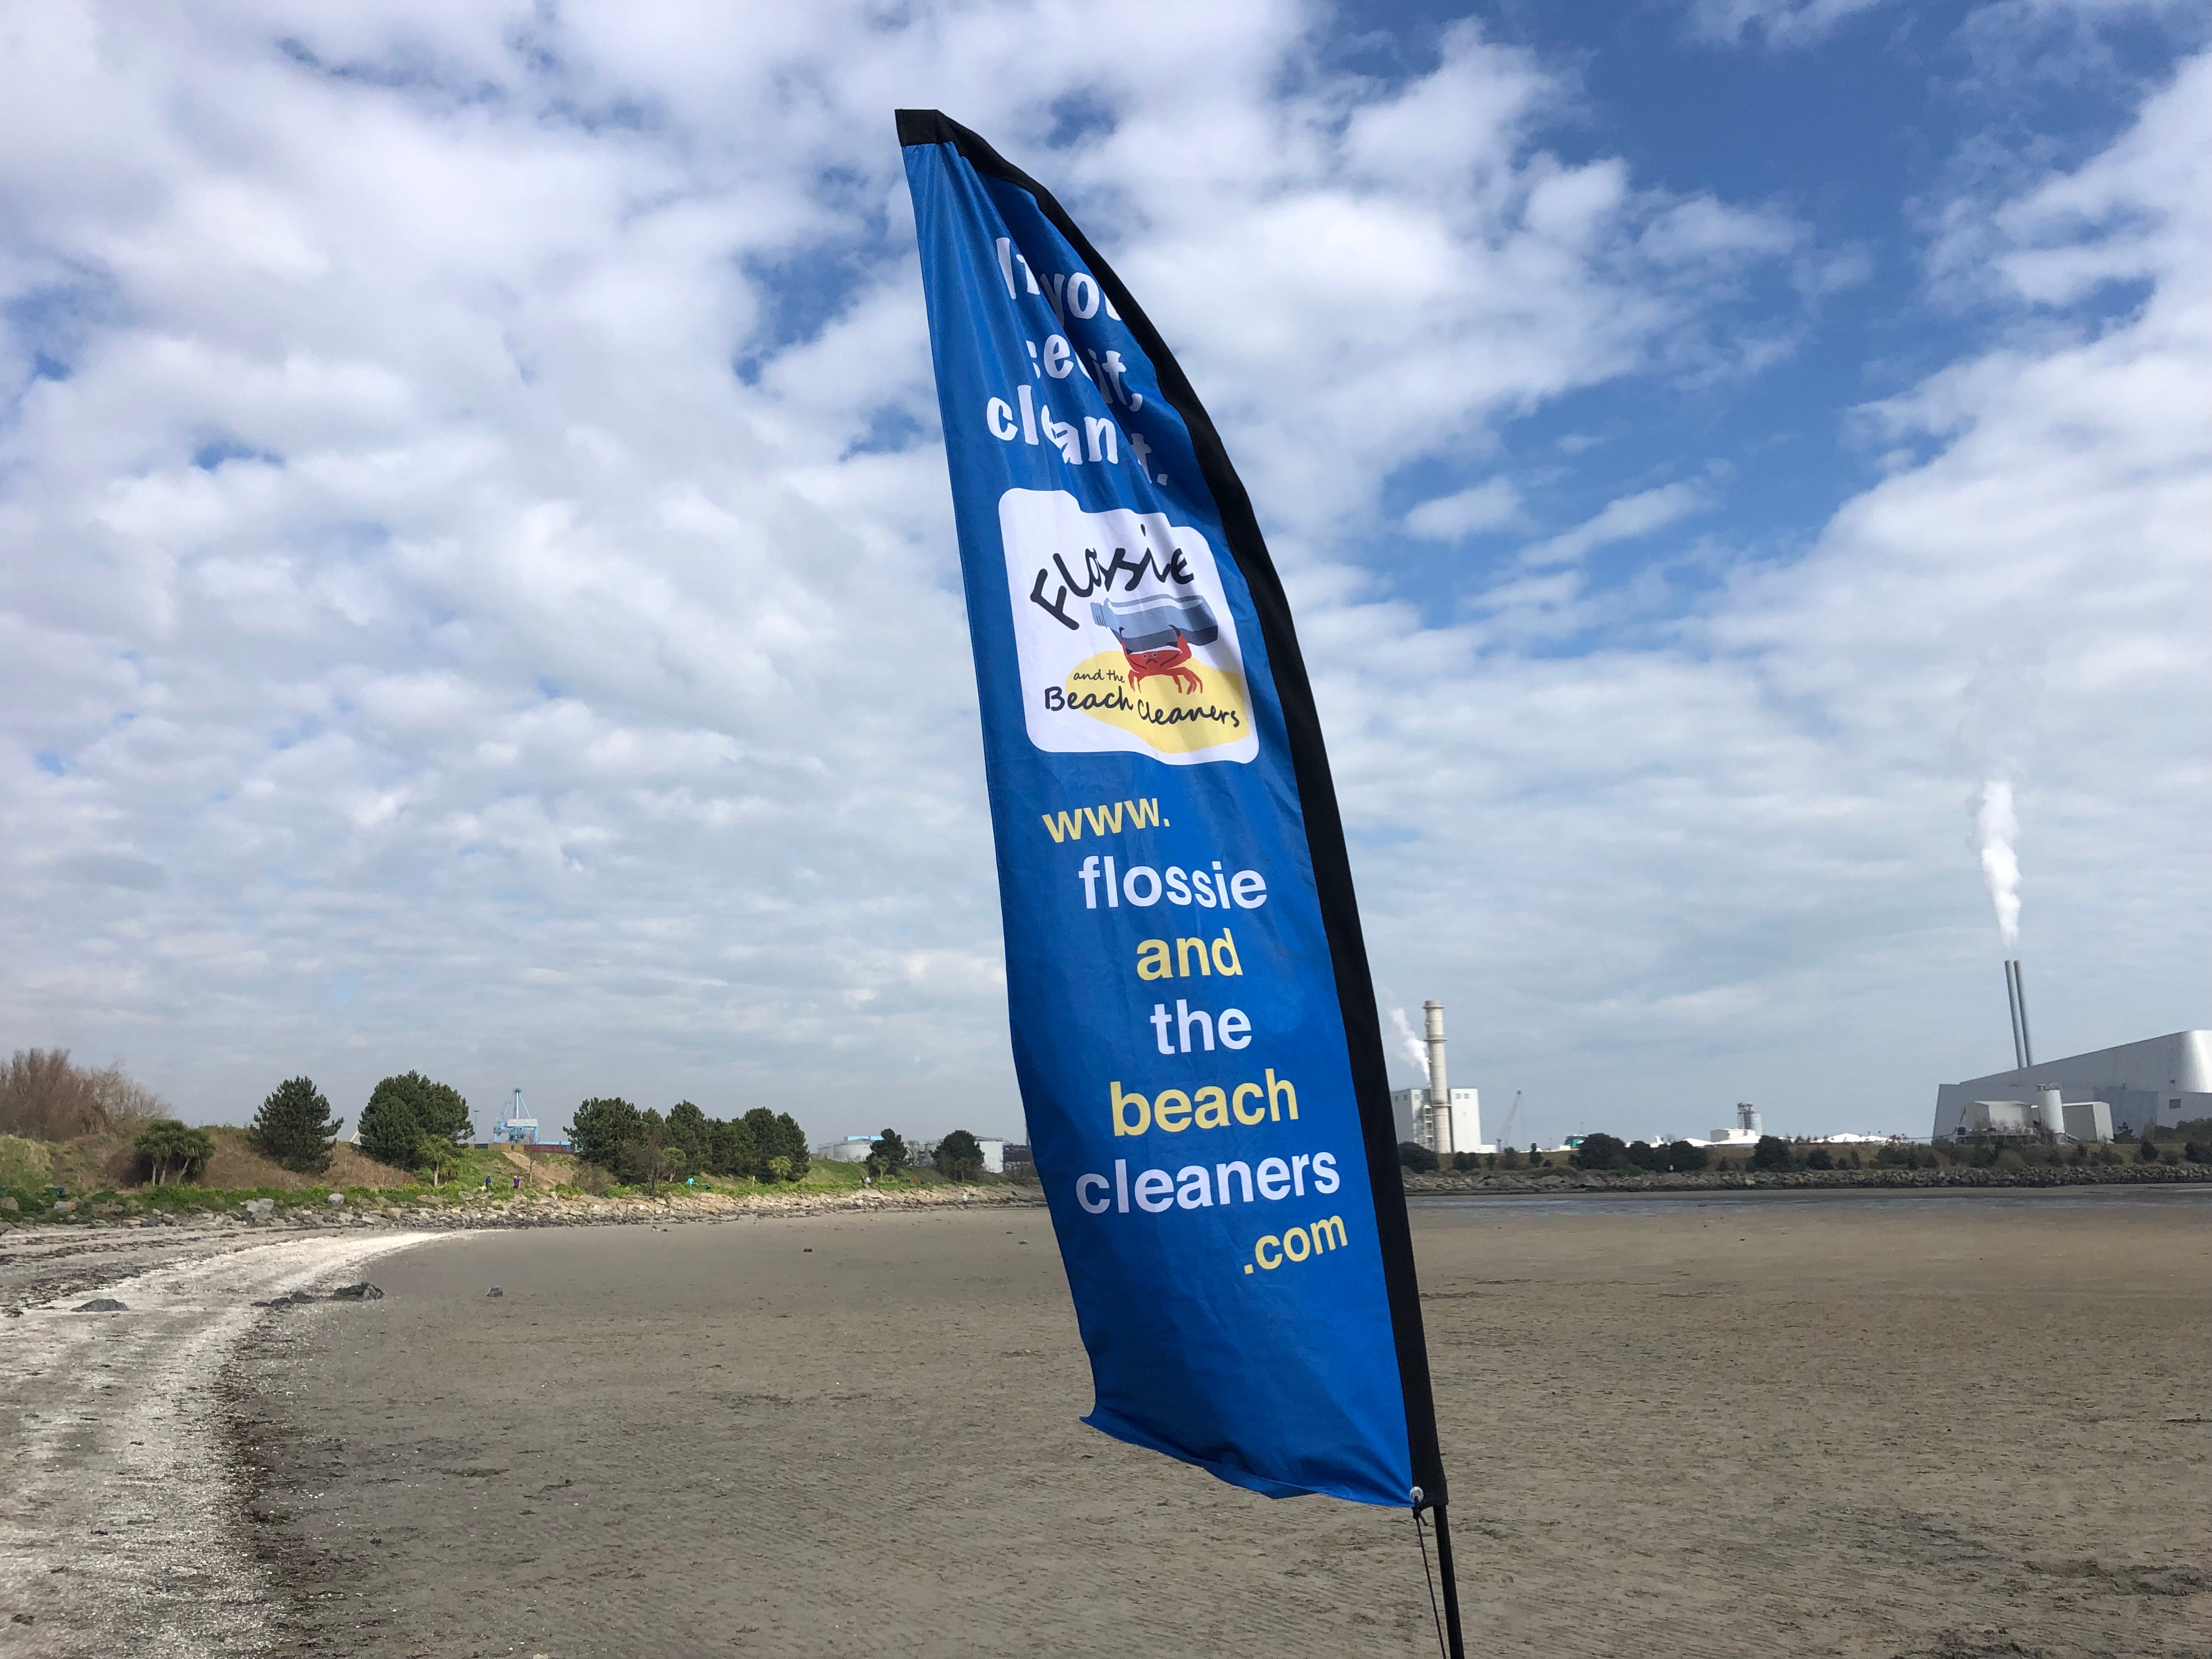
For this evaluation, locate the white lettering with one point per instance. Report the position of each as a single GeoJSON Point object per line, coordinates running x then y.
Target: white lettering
{"type": "Point", "coordinates": [999, 415]}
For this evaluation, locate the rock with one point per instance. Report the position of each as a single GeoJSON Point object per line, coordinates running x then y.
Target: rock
{"type": "Point", "coordinates": [494, 1291]}
{"type": "Point", "coordinates": [101, 1304]}
{"type": "Point", "coordinates": [363, 1291]}
{"type": "Point", "coordinates": [335, 1198]}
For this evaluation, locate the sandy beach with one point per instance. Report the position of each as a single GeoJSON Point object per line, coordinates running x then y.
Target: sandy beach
{"type": "Point", "coordinates": [1852, 1424]}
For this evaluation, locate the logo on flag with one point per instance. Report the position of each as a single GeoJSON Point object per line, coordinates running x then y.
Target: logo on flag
{"type": "Point", "coordinates": [1123, 637]}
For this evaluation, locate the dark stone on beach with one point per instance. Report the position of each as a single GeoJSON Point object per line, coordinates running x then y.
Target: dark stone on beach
{"type": "Point", "coordinates": [494, 1291]}
{"type": "Point", "coordinates": [101, 1304]}
{"type": "Point", "coordinates": [362, 1292]}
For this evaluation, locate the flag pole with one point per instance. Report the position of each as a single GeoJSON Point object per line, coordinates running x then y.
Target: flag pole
{"type": "Point", "coordinates": [1457, 1646]}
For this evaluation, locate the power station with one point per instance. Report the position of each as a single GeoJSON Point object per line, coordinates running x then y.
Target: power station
{"type": "Point", "coordinates": [2154, 1084]}
{"type": "Point", "coordinates": [1440, 1118]}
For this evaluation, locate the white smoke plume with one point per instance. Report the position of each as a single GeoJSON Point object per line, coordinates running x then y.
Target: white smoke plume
{"type": "Point", "coordinates": [1416, 1050]}
{"type": "Point", "coordinates": [1996, 827]}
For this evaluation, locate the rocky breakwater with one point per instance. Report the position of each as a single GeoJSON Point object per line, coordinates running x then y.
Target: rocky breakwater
{"type": "Point", "coordinates": [1541, 1181]}
{"type": "Point", "coordinates": [545, 1209]}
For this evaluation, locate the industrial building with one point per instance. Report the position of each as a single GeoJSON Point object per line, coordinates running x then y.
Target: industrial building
{"type": "Point", "coordinates": [2156, 1082]}
{"type": "Point", "coordinates": [1440, 1118]}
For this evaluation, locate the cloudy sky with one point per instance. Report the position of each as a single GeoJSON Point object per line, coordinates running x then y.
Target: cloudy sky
{"type": "Point", "coordinates": [476, 579]}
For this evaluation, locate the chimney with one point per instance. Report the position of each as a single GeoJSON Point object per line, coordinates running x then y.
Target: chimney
{"type": "Point", "coordinates": [1439, 1093]}
{"type": "Point", "coordinates": [2050, 1109]}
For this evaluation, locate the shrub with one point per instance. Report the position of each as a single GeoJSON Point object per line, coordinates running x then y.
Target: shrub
{"type": "Point", "coordinates": [295, 1127]}
{"type": "Point", "coordinates": [1685, 1160]}
{"type": "Point", "coordinates": [2197, 1151]}
{"type": "Point", "coordinates": [1413, 1156]}
{"type": "Point", "coordinates": [1600, 1151]}
{"type": "Point", "coordinates": [960, 1156]}
{"type": "Point", "coordinates": [2148, 1152]}
{"type": "Point", "coordinates": [43, 1098]}
{"type": "Point", "coordinates": [1819, 1157]}
{"type": "Point", "coordinates": [1646, 1157]}
{"type": "Point", "coordinates": [1463, 1162]}
{"type": "Point", "coordinates": [436, 1157]}
{"type": "Point", "coordinates": [1772, 1153]}
{"type": "Point", "coordinates": [173, 1150]}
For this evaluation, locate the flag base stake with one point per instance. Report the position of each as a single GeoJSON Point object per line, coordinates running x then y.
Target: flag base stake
{"type": "Point", "coordinates": [1457, 1646]}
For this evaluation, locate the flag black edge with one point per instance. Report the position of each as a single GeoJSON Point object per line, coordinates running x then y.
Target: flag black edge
{"type": "Point", "coordinates": [1324, 823]}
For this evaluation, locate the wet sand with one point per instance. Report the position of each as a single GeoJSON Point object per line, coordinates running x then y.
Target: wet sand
{"type": "Point", "coordinates": [1857, 1425]}
{"type": "Point", "coordinates": [1853, 1424]}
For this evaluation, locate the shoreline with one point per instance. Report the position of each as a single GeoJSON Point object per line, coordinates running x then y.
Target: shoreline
{"type": "Point", "coordinates": [1569, 1184]}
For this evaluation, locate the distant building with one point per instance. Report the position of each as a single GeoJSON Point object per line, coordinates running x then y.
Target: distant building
{"type": "Point", "coordinates": [2156, 1082]}
{"type": "Point", "coordinates": [1456, 1129]}
{"type": "Point", "coordinates": [853, 1149]}
{"type": "Point", "coordinates": [1746, 1132]}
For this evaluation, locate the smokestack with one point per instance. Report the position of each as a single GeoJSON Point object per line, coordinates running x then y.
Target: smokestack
{"type": "Point", "coordinates": [2020, 1001]}
{"type": "Point", "coordinates": [2012, 1007]}
{"type": "Point", "coordinates": [1439, 1091]}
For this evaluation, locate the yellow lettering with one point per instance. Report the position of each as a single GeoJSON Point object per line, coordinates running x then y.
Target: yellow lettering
{"type": "Point", "coordinates": [1260, 1253]}
{"type": "Point", "coordinates": [1224, 955]}
{"type": "Point", "coordinates": [1212, 1108]}
{"type": "Point", "coordinates": [1174, 1119]}
{"type": "Point", "coordinates": [1296, 1245]}
{"type": "Point", "coordinates": [1280, 1094]}
{"type": "Point", "coordinates": [1328, 1235]}
{"type": "Point", "coordinates": [1237, 1103]}
{"type": "Point", "coordinates": [1183, 949]}
{"type": "Point", "coordinates": [1121, 1124]}
{"type": "Point", "coordinates": [1153, 959]}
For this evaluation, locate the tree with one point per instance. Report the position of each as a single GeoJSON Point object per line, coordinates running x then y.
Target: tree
{"type": "Point", "coordinates": [173, 1147]}
{"type": "Point", "coordinates": [1819, 1157]}
{"type": "Point", "coordinates": [1772, 1153]}
{"type": "Point", "coordinates": [790, 1145]}
{"type": "Point", "coordinates": [295, 1127]}
{"type": "Point", "coordinates": [735, 1151]}
{"type": "Point", "coordinates": [1645, 1155]}
{"type": "Point", "coordinates": [2148, 1152]}
{"type": "Point", "coordinates": [1413, 1156]}
{"type": "Point", "coordinates": [1601, 1151]}
{"type": "Point", "coordinates": [889, 1157]}
{"type": "Point", "coordinates": [437, 1108]}
{"type": "Point", "coordinates": [960, 1156]}
{"type": "Point", "coordinates": [766, 1137]}
{"type": "Point", "coordinates": [647, 1157]}
{"type": "Point", "coordinates": [599, 1129]}
{"type": "Point", "coordinates": [436, 1156]}
{"type": "Point", "coordinates": [1686, 1159]}
{"type": "Point", "coordinates": [390, 1132]}
{"type": "Point", "coordinates": [691, 1132]}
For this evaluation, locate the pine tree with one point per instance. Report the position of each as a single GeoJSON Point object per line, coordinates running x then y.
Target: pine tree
{"type": "Point", "coordinates": [295, 1127]}
{"type": "Point", "coordinates": [390, 1131]}
{"type": "Point", "coordinates": [599, 1129]}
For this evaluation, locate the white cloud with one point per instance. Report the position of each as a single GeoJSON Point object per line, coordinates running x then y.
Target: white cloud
{"type": "Point", "coordinates": [1493, 504]}
{"type": "Point", "coordinates": [1786, 24]}
{"type": "Point", "coordinates": [533, 697]}
{"type": "Point", "coordinates": [1626, 519]}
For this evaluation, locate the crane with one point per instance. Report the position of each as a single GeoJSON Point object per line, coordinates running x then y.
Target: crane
{"type": "Point", "coordinates": [1512, 1115]}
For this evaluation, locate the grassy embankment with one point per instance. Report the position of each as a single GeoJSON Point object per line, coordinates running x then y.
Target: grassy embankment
{"type": "Point", "coordinates": [100, 1177]}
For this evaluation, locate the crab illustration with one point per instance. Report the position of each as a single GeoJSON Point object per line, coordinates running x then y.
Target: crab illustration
{"type": "Point", "coordinates": [1145, 664]}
